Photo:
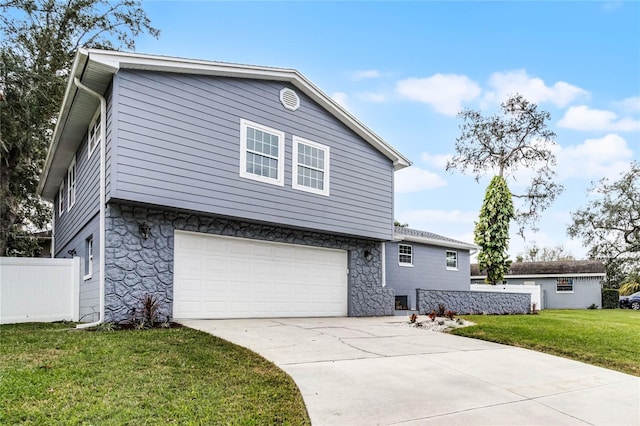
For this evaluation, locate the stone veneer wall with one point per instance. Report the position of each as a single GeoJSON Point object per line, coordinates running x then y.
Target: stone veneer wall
{"type": "Point", "coordinates": [473, 302]}
{"type": "Point", "coordinates": [135, 267]}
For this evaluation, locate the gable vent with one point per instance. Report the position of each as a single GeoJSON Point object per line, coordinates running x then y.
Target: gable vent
{"type": "Point", "coordinates": [289, 99]}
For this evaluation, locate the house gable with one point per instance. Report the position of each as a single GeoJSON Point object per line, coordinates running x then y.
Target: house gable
{"type": "Point", "coordinates": [180, 145]}
{"type": "Point", "coordinates": [178, 127]}
{"type": "Point", "coordinates": [96, 68]}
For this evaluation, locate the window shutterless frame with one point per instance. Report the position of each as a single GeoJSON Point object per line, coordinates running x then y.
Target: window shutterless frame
{"type": "Point", "coordinates": [310, 166]}
{"type": "Point", "coordinates": [71, 184]}
{"type": "Point", "coordinates": [88, 258]}
{"type": "Point", "coordinates": [261, 153]}
{"type": "Point", "coordinates": [61, 199]}
{"type": "Point", "coordinates": [93, 134]}
{"type": "Point", "coordinates": [405, 255]}
{"type": "Point", "coordinates": [452, 260]}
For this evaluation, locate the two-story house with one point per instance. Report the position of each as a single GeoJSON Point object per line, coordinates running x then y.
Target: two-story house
{"type": "Point", "coordinates": [225, 190]}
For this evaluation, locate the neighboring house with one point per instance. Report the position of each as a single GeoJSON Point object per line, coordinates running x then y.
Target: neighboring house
{"type": "Point", "coordinates": [573, 284]}
{"type": "Point", "coordinates": [226, 190]}
{"type": "Point", "coordinates": [423, 260]}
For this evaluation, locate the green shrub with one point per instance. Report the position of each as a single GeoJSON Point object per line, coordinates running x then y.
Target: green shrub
{"type": "Point", "coordinates": [610, 298]}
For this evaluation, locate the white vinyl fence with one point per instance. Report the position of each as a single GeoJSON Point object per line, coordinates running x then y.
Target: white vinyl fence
{"type": "Point", "coordinates": [534, 290]}
{"type": "Point", "coordinates": [39, 289]}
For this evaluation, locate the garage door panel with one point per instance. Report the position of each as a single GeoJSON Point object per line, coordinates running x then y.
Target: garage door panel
{"type": "Point", "coordinates": [227, 277]}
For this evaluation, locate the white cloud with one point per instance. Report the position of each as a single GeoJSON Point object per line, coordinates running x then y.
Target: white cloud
{"type": "Point", "coordinates": [595, 158]}
{"type": "Point", "coordinates": [444, 92]}
{"type": "Point", "coordinates": [372, 97]}
{"type": "Point", "coordinates": [438, 160]}
{"type": "Point", "coordinates": [341, 98]}
{"type": "Point", "coordinates": [584, 118]}
{"type": "Point", "coordinates": [365, 74]}
{"type": "Point", "coordinates": [532, 88]}
{"type": "Point", "coordinates": [631, 104]}
{"type": "Point", "coordinates": [416, 218]}
{"type": "Point", "coordinates": [415, 179]}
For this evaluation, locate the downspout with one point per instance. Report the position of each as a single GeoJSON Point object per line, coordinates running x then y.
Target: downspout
{"type": "Point", "coordinates": [103, 196]}
{"type": "Point", "coordinates": [384, 263]}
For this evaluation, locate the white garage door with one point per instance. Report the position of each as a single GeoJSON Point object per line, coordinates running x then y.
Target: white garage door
{"type": "Point", "coordinates": [228, 277]}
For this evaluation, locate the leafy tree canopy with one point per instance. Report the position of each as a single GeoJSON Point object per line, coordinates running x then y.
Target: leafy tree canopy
{"type": "Point", "coordinates": [516, 138]}
{"type": "Point", "coordinates": [533, 253]}
{"type": "Point", "coordinates": [609, 224]}
{"type": "Point", "coordinates": [38, 41]}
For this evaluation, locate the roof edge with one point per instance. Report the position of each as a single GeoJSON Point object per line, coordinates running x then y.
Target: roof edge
{"type": "Point", "coordinates": [434, 242]}
{"type": "Point", "coordinates": [131, 60]}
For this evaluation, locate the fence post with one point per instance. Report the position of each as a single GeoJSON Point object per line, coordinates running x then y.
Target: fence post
{"type": "Point", "coordinates": [75, 290]}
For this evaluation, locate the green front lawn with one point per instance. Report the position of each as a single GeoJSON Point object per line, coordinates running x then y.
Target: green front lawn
{"type": "Point", "coordinates": [50, 374]}
{"type": "Point", "coordinates": [608, 338]}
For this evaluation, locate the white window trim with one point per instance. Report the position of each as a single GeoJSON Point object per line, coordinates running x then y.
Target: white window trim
{"type": "Point", "coordinates": [408, 265]}
{"type": "Point", "coordinates": [88, 257]}
{"type": "Point", "coordinates": [61, 199]}
{"type": "Point", "coordinates": [295, 164]}
{"type": "Point", "coordinates": [97, 134]}
{"type": "Point", "coordinates": [451, 268]}
{"type": "Point", "coordinates": [243, 153]}
{"type": "Point", "coordinates": [564, 292]}
{"type": "Point", "coordinates": [71, 189]}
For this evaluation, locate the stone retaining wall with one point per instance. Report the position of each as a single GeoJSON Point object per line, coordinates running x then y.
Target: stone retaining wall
{"type": "Point", "coordinates": [473, 302]}
{"type": "Point", "coordinates": [136, 267]}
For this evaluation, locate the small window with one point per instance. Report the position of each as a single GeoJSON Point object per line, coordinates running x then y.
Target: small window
{"type": "Point", "coordinates": [452, 260]}
{"type": "Point", "coordinates": [405, 255]}
{"type": "Point", "coordinates": [94, 132]}
{"type": "Point", "coordinates": [564, 285]}
{"type": "Point", "coordinates": [88, 258]}
{"type": "Point", "coordinates": [310, 166]}
{"type": "Point", "coordinates": [261, 153]}
{"type": "Point", "coordinates": [71, 184]}
{"type": "Point", "coordinates": [402, 303]}
{"type": "Point", "coordinates": [61, 199]}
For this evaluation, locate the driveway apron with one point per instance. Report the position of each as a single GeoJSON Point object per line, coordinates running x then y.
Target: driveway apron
{"type": "Point", "coordinates": [381, 371]}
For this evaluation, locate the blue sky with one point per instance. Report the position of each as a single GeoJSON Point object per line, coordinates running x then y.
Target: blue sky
{"type": "Point", "coordinates": [405, 69]}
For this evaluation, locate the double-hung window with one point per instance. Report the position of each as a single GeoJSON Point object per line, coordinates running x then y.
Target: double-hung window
{"type": "Point", "coordinates": [452, 260]}
{"type": "Point", "coordinates": [61, 199]}
{"type": "Point", "coordinates": [261, 153]}
{"type": "Point", "coordinates": [310, 166]}
{"type": "Point", "coordinates": [71, 184]}
{"type": "Point", "coordinates": [88, 258]}
{"type": "Point", "coordinates": [94, 133]}
{"type": "Point", "coordinates": [405, 255]}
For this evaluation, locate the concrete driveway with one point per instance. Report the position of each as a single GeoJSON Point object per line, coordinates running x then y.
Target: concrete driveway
{"type": "Point", "coordinates": [380, 371]}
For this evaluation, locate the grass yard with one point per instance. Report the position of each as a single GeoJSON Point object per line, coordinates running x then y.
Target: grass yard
{"type": "Point", "coordinates": [50, 374]}
{"type": "Point", "coordinates": [608, 338]}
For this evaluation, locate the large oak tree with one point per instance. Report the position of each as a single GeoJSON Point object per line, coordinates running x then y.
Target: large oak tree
{"type": "Point", "coordinates": [38, 41]}
{"type": "Point", "coordinates": [609, 224]}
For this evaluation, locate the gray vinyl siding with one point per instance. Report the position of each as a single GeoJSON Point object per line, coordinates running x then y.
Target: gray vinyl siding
{"type": "Point", "coordinates": [586, 291]}
{"type": "Point", "coordinates": [89, 288]}
{"type": "Point", "coordinates": [429, 270]}
{"type": "Point", "coordinates": [178, 145]}
{"type": "Point", "coordinates": [87, 199]}
{"type": "Point", "coordinates": [87, 203]}
{"type": "Point", "coordinates": [74, 226]}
